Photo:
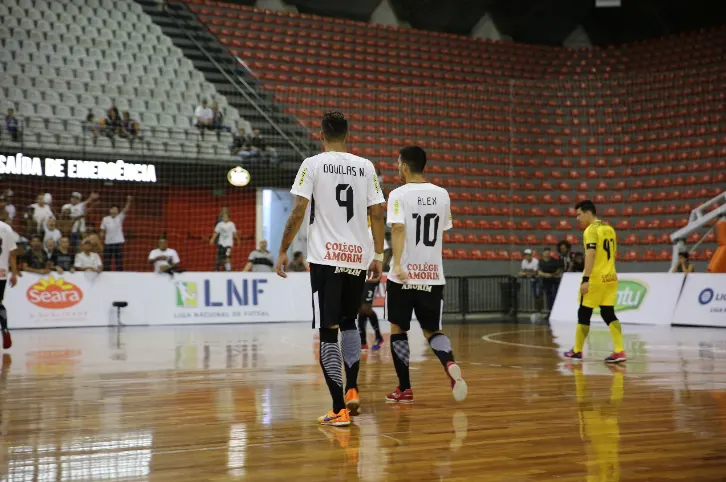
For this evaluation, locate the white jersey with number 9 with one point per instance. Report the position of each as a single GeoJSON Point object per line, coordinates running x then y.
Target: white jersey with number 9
{"type": "Point", "coordinates": [340, 187]}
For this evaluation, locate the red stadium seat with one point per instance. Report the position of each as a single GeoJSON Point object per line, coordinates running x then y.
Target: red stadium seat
{"type": "Point", "coordinates": [447, 253]}
{"type": "Point", "coordinates": [549, 239]}
{"type": "Point", "coordinates": [460, 253]}
{"type": "Point", "coordinates": [630, 256]}
{"type": "Point", "coordinates": [630, 239]}
{"type": "Point", "coordinates": [564, 224]}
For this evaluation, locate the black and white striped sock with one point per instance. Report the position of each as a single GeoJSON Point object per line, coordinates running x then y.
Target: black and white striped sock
{"type": "Point", "coordinates": [351, 342]}
{"type": "Point", "coordinates": [401, 353]}
{"type": "Point", "coordinates": [331, 362]}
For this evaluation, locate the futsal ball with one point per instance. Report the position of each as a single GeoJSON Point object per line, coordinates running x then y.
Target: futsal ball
{"type": "Point", "coordinates": [238, 177]}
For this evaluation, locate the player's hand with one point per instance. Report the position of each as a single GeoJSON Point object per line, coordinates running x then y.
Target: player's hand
{"type": "Point", "coordinates": [281, 264]}
{"type": "Point", "coordinates": [375, 270]}
{"type": "Point", "coordinates": [13, 279]}
{"type": "Point", "coordinates": [400, 273]}
{"type": "Point", "coordinates": [584, 288]}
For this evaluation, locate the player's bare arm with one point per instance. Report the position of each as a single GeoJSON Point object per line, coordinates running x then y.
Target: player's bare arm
{"type": "Point", "coordinates": [128, 204]}
{"type": "Point", "coordinates": [292, 226]}
{"type": "Point", "coordinates": [589, 263]}
{"type": "Point", "coordinates": [378, 228]}
{"type": "Point", "coordinates": [398, 236]}
{"type": "Point", "coordinates": [13, 269]}
{"type": "Point", "coordinates": [214, 238]}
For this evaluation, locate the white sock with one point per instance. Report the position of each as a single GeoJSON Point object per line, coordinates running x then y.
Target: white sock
{"type": "Point", "coordinates": [228, 266]}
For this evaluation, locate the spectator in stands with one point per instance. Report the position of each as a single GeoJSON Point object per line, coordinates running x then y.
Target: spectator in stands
{"type": "Point", "coordinates": [684, 264]}
{"type": "Point", "coordinates": [87, 260]}
{"type": "Point", "coordinates": [49, 247]}
{"type": "Point", "coordinates": [225, 232]}
{"type": "Point", "coordinates": [578, 262]}
{"type": "Point", "coordinates": [563, 248]}
{"type": "Point", "coordinates": [92, 126]}
{"type": "Point", "coordinates": [9, 206]}
{"type": "Point", "coordinates": [62, 259]}
{"type": "Point", "coordinates": [111, 125]}
{"type": "Point", "coordinates": [260, 148]}
{"type": "Point", "coordinates": [130, 128]}
{"type": "Point", "coordinates": [76, 211]}
{"type": "Point", "coordinates": [41, 212]}
{"type": "Point", "coordinates": [51, 232]}
{"type": "Point", "coordinates": [204, 117]}
{"type": "Point", "coordinates": [35, 260]}
{"type": "Point", "coordinates": [298, 263]}
{"type": "Point", "coordinates": [529, 269]}
{"type": "Point", "coordinates": [260, 260]}
{"type": "Point", "coordinates": [218, 120]}
{"type": "Point", "coordinates": [113, 236]}
{"type": "Point", "coordinates": [12, 124]}
{"type": "Point", "coordinates": [549, 271]}
{"type": "Point", "coordinates": [240, 144]}
{"type": "Point", "coordinates": [164, 259]}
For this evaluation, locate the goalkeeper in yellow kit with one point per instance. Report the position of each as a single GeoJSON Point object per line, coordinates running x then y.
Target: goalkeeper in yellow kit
{"type": "Point", "coordinates": [599, 282]}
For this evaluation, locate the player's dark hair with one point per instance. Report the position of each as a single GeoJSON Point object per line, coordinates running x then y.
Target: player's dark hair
{"type": "Point", "coordinates": [115, 206]}
{"type": "Point", "coordinates": [36, 236]}
{"type": "Point", "coordinates": [564, 242]}
{"type": "Point", "coordinates": [586, 206]}
{"type": "Point", "coordinates": [414, 157]}
{"type": "Point", "coordinates": [684, 254]}
{"type": "Point", "coordinates": [334, 126]}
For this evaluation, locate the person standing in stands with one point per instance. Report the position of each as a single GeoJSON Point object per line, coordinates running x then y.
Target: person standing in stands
{"type": "Point", "coordinates": [77, 210]}
{"type": "Point", "coordinates": [225, 232]}
{"type": "Point", "coordinates": [112, 232]}
{"type": "Point", "coordinates": [563, 249]}
{"type": "Point", "coordinates": [260, 260]}
{"type": "Point", "coordinates": [550, 270]}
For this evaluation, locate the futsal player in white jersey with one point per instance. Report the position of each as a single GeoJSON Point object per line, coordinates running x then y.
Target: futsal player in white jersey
{"type": "Point", "coordinates": [418, 213]}
{"type": "Point", "coordinates": [341, 189]}
{"type": "Point", "coordinates": [8, 262]}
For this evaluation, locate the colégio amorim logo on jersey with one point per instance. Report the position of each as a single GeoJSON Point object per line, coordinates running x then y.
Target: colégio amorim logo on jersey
{"type": "Point", "coordinates": [54, 293]}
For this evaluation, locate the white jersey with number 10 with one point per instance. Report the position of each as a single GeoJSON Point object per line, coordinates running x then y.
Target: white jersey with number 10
{"type": "Point", "coordinates": [425, 211]}
{"type": "Point", "coordinates": [340, 186]}
{"type": "Point", "coordinates": [8, 244]}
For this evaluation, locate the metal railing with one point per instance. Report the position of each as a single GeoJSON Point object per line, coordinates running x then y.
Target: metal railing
{"type": "Point", "coordinates": [504, 294]}
{"type": "Point", "coordinates": [299, 145]}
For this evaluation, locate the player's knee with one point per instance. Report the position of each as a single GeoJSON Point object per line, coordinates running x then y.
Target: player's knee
{"type": "Point", "coordinates": [429, 334]}
{"type": "Point", "coordinates": [329, 335]}
{"type": "Point", "coordinates": [583, 315]}
{"type": "Point", "coordinates": [608, 314]}
{"type": "Point", "coordinates": [346, 325]}
{"type": "Point", "coordinates": [396, 330]}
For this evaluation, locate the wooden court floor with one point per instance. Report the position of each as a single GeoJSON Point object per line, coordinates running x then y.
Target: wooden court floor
{"type": "Point", "coordinates": [220, 403]}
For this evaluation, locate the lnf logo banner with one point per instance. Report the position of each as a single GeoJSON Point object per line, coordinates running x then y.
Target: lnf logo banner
{"type": "Point", "coordinates": [74, 169]}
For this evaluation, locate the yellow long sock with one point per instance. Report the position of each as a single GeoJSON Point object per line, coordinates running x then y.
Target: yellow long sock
{"type": "Point", "coordinates": [616, 332]}
{"type": "Point", "coordinates": [580, 336]}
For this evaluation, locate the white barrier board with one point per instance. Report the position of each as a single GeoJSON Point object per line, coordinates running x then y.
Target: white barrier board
{"type": "Point", "coordinates": [85, 299]}
{"type": "Point", "coordinates": [703, 301]}
{"type": "Point", "coordinates": [643, 298]}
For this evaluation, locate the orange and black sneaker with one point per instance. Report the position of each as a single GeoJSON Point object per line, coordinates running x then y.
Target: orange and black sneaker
{"type": "Point", "coordinates": [352, 401]}
{"type": "Point", "coordinates": [340, 419]}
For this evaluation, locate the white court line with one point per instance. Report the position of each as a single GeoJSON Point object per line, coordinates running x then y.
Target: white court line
{"type": "Point", "coordinates": [523, 345]}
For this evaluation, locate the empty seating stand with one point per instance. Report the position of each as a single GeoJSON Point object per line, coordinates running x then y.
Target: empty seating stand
{"type": "Point", "coordinates": [517, 133]}
{"type": "Point", "coordinates": [62, 58]}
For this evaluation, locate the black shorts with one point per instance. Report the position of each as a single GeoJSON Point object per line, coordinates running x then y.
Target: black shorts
{"type": "Point", "coordinates": [3, 283]}
{"type": "Point", "coordinates": [427, 301]}
{"type": "Point", "coordinates": [336, 294]}
{"type": "Point", "coordinates": [223, 252]}
{"type": "Point", "coordinates": [369, 293]}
